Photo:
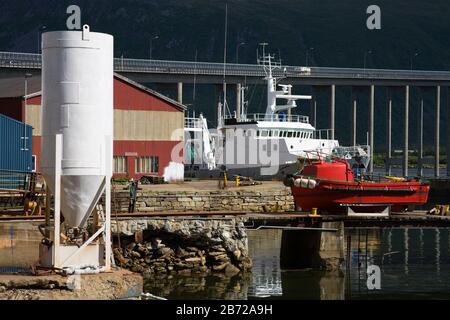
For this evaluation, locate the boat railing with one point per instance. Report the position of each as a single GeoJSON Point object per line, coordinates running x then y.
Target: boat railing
{"type": "Point", "coordinates": [271, 117]}
{"type": "Point", "coordinates": [192, 123]}
{"type": "Point", "coordinates": [323, 134]}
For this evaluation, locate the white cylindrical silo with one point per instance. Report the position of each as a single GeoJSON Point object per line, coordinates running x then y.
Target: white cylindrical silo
{"type": "Point", "coordinates": [77, 102]}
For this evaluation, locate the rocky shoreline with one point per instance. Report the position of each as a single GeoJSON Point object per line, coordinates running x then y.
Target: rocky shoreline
{"type": "Point", "coordinates": [185, 247]}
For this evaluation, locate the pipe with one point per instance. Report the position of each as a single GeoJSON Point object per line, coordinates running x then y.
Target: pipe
{"type": "Point", "coordinates": [294, 228]}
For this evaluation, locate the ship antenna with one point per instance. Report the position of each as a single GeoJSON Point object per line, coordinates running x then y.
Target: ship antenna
{"type": "Point", "coordinates": [225, 61]}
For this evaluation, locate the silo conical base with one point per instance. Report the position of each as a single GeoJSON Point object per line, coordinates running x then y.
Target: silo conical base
{"type": "Point", "coordinates": [77, 206]}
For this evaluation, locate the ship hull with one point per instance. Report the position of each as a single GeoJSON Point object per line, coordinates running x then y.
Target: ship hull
{"type": "Point", "coordinates": [254, 172]}
{"type": "Point", "coordinates": [336, 196]}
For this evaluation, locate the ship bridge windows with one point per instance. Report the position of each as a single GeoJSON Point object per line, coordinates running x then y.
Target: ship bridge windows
{"type": "Point", "coordinates": [265, 133]}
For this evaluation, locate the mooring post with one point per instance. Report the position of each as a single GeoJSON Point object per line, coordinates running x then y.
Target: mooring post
{"type": "Point", "coordinates": [389, 131]}
{"type": "Point", "coordinates": [437, 128]}
{"type": "Point", "coordinates": [406, 133]}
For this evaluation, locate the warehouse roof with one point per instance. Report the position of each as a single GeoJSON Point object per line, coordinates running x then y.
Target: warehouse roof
{"type": "Point", "coordinates": [180, 106]}
{"type": "Point", "coordinates": [15, 87]}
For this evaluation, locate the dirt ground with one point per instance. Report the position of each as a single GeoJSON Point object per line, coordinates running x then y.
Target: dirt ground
{"type": "Point", "coordinates": [119, 284]}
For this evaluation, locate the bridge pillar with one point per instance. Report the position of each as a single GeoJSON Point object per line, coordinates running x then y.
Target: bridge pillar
{"type": "Point", "coordinates": [238, 102]}
{"type": "Point", "coordinates": [389, 130]}
{"type": "Point", "coordinates": [437, 128]}
{"type": "Point", "coordinates": [313, 108]}
{"type": "Point", "coordinates": [289, 113]}
{"type": "Point", "coordinates": [420, 136]}
{"type": "Point", "coordinates": [316, 249]}
{"type": "Point", "coordinates": [371, 125]}
{"type": "Point", "coordinates": [406, 133]}
{"type": "Point", "coordinates": [332, 110]}
{"type": "Point", "coordinates": [448, 132]}
{"type": "Point", "coordinates": [354, 117]}
{"type": "Point", "coordinates": [180, 92]}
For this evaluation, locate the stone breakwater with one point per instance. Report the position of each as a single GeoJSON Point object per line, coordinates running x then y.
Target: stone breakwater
{"type": "Point", "coordinates": [182, 246]}
{"type": "Point", "coordinates": [278, 199]}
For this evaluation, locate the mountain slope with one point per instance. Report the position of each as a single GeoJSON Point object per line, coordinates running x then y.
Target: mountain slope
{"type": "Point", "coordinates": [335, 29]}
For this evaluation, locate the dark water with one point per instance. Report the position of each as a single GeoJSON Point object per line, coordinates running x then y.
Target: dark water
{"type": "Point", "coordinates": [414, 264]}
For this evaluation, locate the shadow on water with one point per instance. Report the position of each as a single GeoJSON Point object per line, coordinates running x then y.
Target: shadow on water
{"type": "Point", "coordinates": [265, 281]}
{"type": "Point", "coordinates": [414, 264]}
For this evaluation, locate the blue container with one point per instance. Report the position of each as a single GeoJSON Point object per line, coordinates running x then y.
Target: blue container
{"type": "Point", "coordinates": [15, 152]}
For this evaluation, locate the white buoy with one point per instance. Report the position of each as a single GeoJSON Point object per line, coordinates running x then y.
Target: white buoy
{"type": "Point", "coordinates": [304, 183]}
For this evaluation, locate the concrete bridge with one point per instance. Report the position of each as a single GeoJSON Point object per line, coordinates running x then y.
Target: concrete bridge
{"type": "Point", "coordinates": [13, 67]}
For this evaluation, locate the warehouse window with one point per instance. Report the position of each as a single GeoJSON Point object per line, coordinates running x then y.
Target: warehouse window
{"type": "Point", "coordinates": [120, 164]}
{"type": "Point", "coordinates": [147, 164]}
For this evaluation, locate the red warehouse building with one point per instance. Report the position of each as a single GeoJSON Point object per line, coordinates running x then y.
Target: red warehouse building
{"type": "Point", "coordinates": [148, 127]}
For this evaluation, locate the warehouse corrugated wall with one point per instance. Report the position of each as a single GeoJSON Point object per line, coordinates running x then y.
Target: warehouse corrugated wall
{"type": "Point", "coordinates": [15, 152]}
{"type": "Point", "coordinates": [147, 127]}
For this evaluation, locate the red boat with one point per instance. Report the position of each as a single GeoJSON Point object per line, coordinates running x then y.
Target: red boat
{"type": "Point", "coordinates": [330, 186]}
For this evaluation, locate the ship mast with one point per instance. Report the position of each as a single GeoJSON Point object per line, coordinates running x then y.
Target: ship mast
{"type": "Point", "coordinates": [223, 106]}
{"type": "Point", "coordinates": [272, 94]}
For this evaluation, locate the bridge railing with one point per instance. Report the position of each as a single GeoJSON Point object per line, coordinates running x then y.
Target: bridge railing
{"type": "Point", "coordinates": [20, 60]}
{"type": "Point", "coordinates": [185, 67]}
{"type": "Point", "coordinates": [32, 60]}
{"type": "Point", "coordinates": [272, 118]}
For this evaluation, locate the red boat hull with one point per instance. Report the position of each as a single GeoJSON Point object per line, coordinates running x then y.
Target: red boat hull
{"type": "Point", "coordinates": [333, 196]}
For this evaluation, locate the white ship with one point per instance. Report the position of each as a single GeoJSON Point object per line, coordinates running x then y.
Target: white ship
{"type": "Point", "coordinates": [255, 145]}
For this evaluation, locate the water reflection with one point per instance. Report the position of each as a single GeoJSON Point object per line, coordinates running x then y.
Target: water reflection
{"type": "Point", "coordinates": [264, 248]}
{"type": "Point", "coordinates": [199, 286]}
{"type": "Point", "coordinates": [414, 263]}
